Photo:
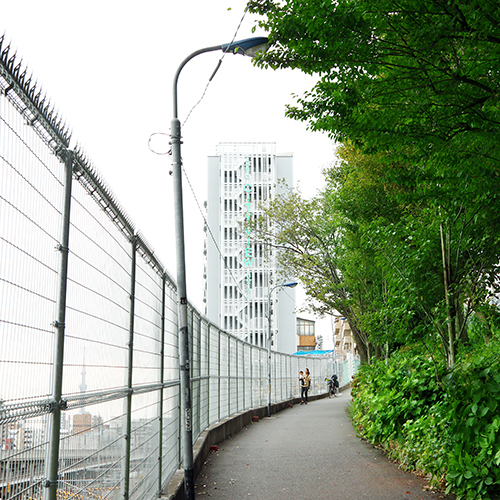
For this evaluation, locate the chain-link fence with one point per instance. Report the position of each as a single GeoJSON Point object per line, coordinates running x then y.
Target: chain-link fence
{"type": "Point", "coordinates": [89, 365]}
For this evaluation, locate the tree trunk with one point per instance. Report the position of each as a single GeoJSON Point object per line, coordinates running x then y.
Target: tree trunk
{"type": "Point", "coordinates": [450, 302]}
{"type": "Point", "coordinates": [461, 328]}
{"type": "Point", "coordinates": [362, 347]}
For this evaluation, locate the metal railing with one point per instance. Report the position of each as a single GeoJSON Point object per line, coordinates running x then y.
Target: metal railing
{"type": "Point", "coordinates": [89, 365]}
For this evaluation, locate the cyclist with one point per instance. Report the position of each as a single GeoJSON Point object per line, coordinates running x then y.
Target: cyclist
{"type": "Point", "coordinates": [333, 384]}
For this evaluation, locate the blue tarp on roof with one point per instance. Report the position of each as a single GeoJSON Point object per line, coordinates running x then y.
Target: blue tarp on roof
{"type": "Point", "coordinates": [313, 353]}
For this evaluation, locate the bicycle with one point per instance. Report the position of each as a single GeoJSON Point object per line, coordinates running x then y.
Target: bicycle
{"type": "Point", "coordinates": [333, 389]}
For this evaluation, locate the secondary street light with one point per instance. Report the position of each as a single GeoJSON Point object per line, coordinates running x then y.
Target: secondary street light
{"type": "Point", "coordinates": [269, 313]}
{"type": "Point", "coordinates": [249, 47]}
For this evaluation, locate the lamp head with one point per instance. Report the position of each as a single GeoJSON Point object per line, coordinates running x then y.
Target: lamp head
{"type": "Point", "coordinates": [248, 46]}
{"type": "Point", "coordinates": [291, 285]}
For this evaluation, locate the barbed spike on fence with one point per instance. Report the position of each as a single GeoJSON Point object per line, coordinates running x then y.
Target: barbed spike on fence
{"type": "Point", "coordinates": [5, 53]}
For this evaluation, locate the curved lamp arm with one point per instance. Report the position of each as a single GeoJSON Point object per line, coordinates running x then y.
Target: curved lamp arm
{"type": "Point", "coordinates": [247, 47]}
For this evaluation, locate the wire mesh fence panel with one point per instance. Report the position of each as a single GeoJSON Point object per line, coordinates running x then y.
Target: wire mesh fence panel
{"type": "Point", "coordinates": [276, 381]}
{"type": "Point", "coordinates": [194, 326]}
{"type": "Point", "coordinates": [170, 458]}
{"type": "Point", "coordinates": [224, 376]}
{"type": "Point", "coordinates": [171, 342]}
{"type": "Point", "coordinates": [246, 368]}
{"type": "Point", "coordinates": [91, 454]}
{"type": "Point", "coordinates": [30, 219]}
{"type": "Point", "coordinates": [342, 375]}
{"type": "Point", "coordinates": [285, 379]}
{"type": "Point", "coordinates": [22, 458]}
{"type": "Point", "coordinates": [262, 385]}
{"type": "Point", "coordinates": [255, 374]}
{"type": "Point", "coordinates": [273, 369]}
{"type": "Point", "coordinates": [240, 365]}
{"type": "Point", "coordinates": [254, 356]}
{"type": "Point", "coordinates": [204, 401]}
{"type": "Point", "coordinates": [98, 301]}
{"type": "Point", "coordinates": [214, 375]}
{"type": "Point", "coordinates": [147, 324]}
{"type": "Point", "coordinates": [232, 347]}
{"type": "Point", "coordinates": [144, 447]}
{"type": "Point", "coordinates": [294, 371]}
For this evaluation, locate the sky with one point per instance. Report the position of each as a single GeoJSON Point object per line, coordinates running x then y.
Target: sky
{"type": "Point", "coordinates": [108, 67]}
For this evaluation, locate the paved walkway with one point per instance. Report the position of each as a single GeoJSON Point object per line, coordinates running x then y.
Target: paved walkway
{"type": "Point", "coordinates": [306, 452]}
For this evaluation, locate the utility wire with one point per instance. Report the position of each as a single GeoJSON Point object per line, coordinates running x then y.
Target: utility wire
{"type": "Point", "coordinates": [218, 65]}
{"type": "Point", "coordinates": [224, 259]}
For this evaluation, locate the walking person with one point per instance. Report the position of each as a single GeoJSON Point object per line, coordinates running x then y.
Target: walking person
{"type": "Point", "coordinates": [305, 387]}
{"type": "Point", "coordinates": [302, 382]}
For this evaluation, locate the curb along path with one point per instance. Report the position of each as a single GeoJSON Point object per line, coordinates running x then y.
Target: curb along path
{"type": "Point", "coordinates": [308, 452]}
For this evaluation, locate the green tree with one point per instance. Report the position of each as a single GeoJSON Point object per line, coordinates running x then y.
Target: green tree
{"type": "Point", "coordinates": [421, 74]}
{"type": "Point", "coordinates": [416, 82]}
{"type": "Point", "coordinates": [436, 243]}
{"type": "Point", "coordinates": [307, 238]}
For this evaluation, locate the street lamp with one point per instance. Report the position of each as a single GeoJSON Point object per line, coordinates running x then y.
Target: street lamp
{"type": "Point", "coordinates": [250, 47]}
{"type": "Point", "coordinates": [269, 312]}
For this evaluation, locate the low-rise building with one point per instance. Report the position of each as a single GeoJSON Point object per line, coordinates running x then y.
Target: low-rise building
{"type": "Point", "coordinates": [343, 340]}
{"type": "Point", "coordinates": [306, 334]}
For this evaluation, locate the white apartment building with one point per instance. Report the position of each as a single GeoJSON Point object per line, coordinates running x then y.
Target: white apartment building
{"type": "Point", "coordinates": [342, 337]}
{"type": "Point", "coordinates": [239, 273]}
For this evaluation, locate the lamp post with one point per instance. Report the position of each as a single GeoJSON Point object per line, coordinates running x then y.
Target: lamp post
{"type": "Point", "coordinates": [249, 47]}
{"type": "Point", "coordinates": [269, 313]}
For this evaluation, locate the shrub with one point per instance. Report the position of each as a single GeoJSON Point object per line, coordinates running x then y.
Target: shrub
{"type": "Point", "coordinates": [474, 456]}
{"type": "Point", "coordinates": [443, 424]}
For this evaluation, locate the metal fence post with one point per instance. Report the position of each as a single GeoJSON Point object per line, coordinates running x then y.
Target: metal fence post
{"type": "Point", "coordinates": [128, 401]}
{"type": "Point", "coordinates": [260, 376]}
{"type": "Point", "coordinates": [209, 392]}
{"type": "Point", "coordinates": [192, 365]}
{"type": "Point", "coordinates": [237, 368]}
{"type": "Point", "coordinates": [197, 376]}
{"type": "Point", "coordinates": [228, 374]}
{"type": "Point", "coordinates": [200, 376]}
{"type": "Point", "coordinates": [162, 380]}
{"type": "Point", "coordinates": [244, 377]}
{"type": "Point", "coordinates": [218, 378]}
{"type": "Point", "coordinates": [251, 376]}
{"type": "Point", "coordinates": [52, 461]}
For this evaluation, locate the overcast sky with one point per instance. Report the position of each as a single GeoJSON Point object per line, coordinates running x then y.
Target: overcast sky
{"type": "Point", "coordinates": [108, 67]}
